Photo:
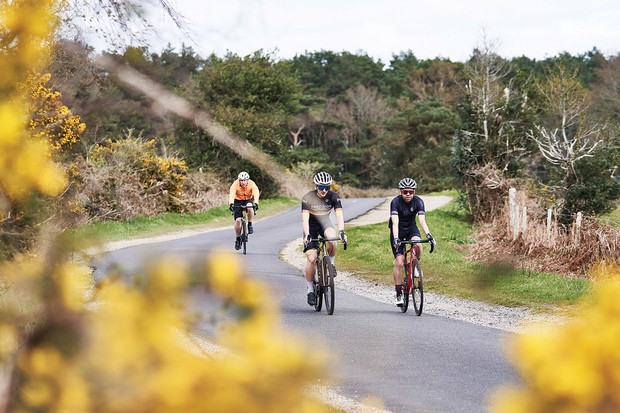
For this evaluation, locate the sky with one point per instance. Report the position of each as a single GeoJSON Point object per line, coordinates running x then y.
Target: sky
{"type": "Point", "coordinates": [382, 28]}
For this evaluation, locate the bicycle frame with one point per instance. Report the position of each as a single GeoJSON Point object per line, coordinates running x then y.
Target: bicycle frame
{"type": "Point", "coordinates": [324, 276]}
{"type": "Point", "coordinates": [413, 279]}
{"type": "Point", "coordinates": [244, 226]}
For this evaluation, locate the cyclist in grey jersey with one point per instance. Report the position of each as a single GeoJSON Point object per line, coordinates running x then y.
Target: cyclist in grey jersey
{"type": "Point", "coordinates": [315, 209]}
{"type": "Point", "coordinates": [402, 223]}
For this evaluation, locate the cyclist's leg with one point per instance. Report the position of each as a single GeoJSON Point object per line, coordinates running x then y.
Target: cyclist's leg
{"type": "Point", "coordinates": [250, 209]}
{"type": "Point", "coordinates": [250, 205]}
{"type": "Point", "coordinates": [330, 232]}
{"type": "Point", "coordinates": [238, 213]}
{"type": "Point", "coordinates": [417, 247]}
{"type": "Point", "coordinates": [399, 262]}
{"type": "Point", "coordinates": [311, 255]}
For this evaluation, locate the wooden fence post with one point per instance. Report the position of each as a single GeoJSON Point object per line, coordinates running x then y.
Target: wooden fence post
{"type": "Point", "coordinates": [524, 221]}
{"type": "Point", "coordinates": [577, 228]}
{"type": "Point", "coordinates": [514, 212]}
{"type": "Point", "coordinates": [549, 214]}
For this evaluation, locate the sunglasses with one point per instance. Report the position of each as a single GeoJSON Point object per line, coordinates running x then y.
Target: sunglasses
{"type": "Point", "coordinates": [323, 187]}
{"type": "Point", "coordinates": [407, 192]}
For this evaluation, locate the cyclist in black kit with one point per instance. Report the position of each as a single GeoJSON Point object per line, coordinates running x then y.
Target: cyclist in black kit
{"type": "Point", "coordinates": [403, 211]}
{"type": "Point", "coordinates": [315, 209]}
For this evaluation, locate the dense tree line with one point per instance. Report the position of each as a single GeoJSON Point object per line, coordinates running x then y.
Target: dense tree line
{"type": "Point", "coordinates": [478, 125]}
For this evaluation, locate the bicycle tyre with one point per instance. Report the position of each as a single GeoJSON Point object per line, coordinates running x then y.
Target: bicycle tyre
{"type": "Point", "coordinates": [328, 285]}
{"type": "Point", "coordinates": [418, 290]}
{"type": "Point", "coordinates": [318, 289]}
{"type": "Point", "coordinates": [407, 287]}
{"type": "Point", "coordinates": [244, 235]}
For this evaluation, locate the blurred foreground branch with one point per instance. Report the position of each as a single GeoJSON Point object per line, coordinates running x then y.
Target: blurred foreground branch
{"type": "Point", "coordinates": [170, 102]}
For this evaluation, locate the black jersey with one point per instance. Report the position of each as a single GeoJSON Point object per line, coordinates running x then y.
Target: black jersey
{"type": "Point", "coordinates": [319, 208]}
{"type": "Point", "coordinates": [407, 213]}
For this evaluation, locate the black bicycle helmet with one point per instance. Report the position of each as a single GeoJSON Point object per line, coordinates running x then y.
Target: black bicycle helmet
{"type": "Point", "coordinates": [322, 178]}
{"type": "Point", "coordinates": [407, 183]}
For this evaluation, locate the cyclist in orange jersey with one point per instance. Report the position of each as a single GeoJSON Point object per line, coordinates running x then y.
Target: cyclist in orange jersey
{"type": "Point", "coordinates": [243, 192]}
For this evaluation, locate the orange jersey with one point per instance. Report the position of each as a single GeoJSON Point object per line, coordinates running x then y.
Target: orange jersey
{"type": "Point", "coordinates": [243, 194]}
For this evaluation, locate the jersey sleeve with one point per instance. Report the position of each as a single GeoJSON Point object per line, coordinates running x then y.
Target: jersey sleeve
{"type": "Point", "coordinates": [337, 202]}
{"type": "Point", "coordinates": [232, 192]}
{"type": "Point", "coordinates": [394, 206]}
{"type": "Point", "coordinates": [420, 206]}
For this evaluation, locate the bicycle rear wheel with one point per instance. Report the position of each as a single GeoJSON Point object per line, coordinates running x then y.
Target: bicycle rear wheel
{"type": "Point", "coordinates": [244, 235]}
{"type": "Point", "coordinates": [406, 287]}
{"type": "Point", "coordinates": [328, 285]}
{"type": "Point", "coordinates": [418, 289]}
{"type": "Point", "coordinates": [318, 289]}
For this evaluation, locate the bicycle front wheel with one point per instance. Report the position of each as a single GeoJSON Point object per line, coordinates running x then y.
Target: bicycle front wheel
{"type": "Point", "coordinates": [328, 285]}
{"type": "Point", "coordinates": [318, 289]}
{"type": "Point", "coordinates": [418, 288]}
{"type": "Point", "coordinates": [406, 287]}
{"type": "Point", "coordinates": [244, 236]}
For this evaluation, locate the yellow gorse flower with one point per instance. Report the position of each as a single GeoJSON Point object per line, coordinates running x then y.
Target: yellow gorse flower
{"type": "Point", "coordinates": [25, 164]}
{"type": "Point", "coordinates": [573, 367]}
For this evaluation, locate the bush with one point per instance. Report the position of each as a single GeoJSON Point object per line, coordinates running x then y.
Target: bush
{"type": "Point", "coordinates": [126, 178]}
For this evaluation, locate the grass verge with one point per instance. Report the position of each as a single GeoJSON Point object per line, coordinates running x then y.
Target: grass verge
{"type": "Point", "coordinates": [448, 271]}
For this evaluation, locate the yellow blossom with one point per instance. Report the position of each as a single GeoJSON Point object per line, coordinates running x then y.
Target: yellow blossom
{"type": "Point", "coordinates": [8, 340]}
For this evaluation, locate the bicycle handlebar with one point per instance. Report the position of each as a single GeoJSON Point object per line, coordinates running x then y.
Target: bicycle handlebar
{"type": "Point", "coordinates": [243, 207]}
{"type": "Point", "coordinates": [419, 241]}
{"type": "Point", "coordinates": [321, 239]}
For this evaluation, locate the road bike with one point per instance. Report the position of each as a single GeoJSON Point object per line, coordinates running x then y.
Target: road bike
{"type": "Point", "coordinates": [324, 276]}
{"type": "Point", "coordinates": [244, 227]}
{"type": "Point", "coordinates": [414, 283]}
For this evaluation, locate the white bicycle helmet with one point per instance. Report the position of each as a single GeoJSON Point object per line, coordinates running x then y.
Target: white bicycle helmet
{"type": "Point", "coordinates": [407, 183]}
{"type": "Point", "coordinates": [322, 178]}
{"type": "Point", "coordinates": [244, 175]}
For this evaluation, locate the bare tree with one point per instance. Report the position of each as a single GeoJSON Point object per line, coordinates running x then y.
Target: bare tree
{"type": "Point", "coordinates": [117, 22]}
{"type": "Point", "coordinates": [493, 136]}
{"type": "Point", "coordinates": [574, 137]}
{"type": "Point", "coordinates": [295, 135]}
{"type": "Point", "coordinates": [362, 115]}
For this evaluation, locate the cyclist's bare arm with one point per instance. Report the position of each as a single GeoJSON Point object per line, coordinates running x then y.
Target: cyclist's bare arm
{"type": "Point", "coordinates": [340, 219]}
{"type": "Point", "coordinates": [395, 225]}
{"type": "Point", "coordinates": [305, 221]}
{"type": "Point", "coordinates": [423, 225]}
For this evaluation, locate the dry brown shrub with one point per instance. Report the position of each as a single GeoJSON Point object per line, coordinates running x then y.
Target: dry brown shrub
{"type": "Point", "coordinates": [202, 191]}
{"type": "Point", "coordinates": [556, 249]}
{"type": "Point", "coordinates": [485, 186]}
